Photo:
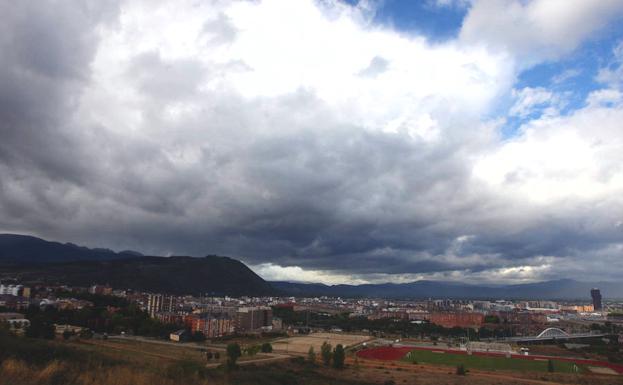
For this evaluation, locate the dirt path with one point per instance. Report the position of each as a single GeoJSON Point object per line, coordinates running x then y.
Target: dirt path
{"type": "Point", "coordinates": [116, 347]}
{"type": "Point", "coordinates": [262, 358]}
{"type": "Point", "coordinates": [170, 343]}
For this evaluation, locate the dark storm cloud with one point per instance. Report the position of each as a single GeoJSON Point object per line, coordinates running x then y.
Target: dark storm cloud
{"type": "Point", "coordinates": [46, 50]}
{"type": "Point", "coordinates": [283, 179]}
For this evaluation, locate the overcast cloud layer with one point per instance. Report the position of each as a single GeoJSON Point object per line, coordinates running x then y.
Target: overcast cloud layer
{"type": "Point", "coordinates": [312, 143]}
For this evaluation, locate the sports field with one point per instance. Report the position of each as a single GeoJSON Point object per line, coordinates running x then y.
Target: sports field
{"type": "Point", "coordinates": [301, 344]}
{"type": "Point", "coordinates": [487, 362]}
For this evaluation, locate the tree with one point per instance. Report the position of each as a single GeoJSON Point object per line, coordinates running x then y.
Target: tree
{"type": "Point", "coordinates": [311, 355]}
{"type": "Point", "coordinates": [267, 347]}
{"type": "Point", "coordinates": [325, 353]}
{"type": "Point", "coordinates": [550, 366]}
{"type": "Point", "coordinates": [197, 336]}
{"type": "Point", "coordinates": [40, 328]}
{"type": "Point", "coordinates": [233, 353]}
{"type": "Point", "coordinates": [338, 357]}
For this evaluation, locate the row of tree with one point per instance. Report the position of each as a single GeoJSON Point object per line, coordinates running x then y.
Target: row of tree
{"type": "Point", "coordinates": [334, 357]}
{"type": "Point", "coordinates": [102, 317]}
{"type": "Point", "coordinates": [328, 355]}
{"type": "Point", "coordinates": [383, 327]}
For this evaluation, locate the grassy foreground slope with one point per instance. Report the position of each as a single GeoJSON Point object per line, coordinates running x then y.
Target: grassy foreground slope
{"type": "Point", "coordinates": [26, 361]}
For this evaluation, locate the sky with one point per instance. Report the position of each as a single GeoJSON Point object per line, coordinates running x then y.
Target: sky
{"type": "Point", "coordinates": [321, 140]}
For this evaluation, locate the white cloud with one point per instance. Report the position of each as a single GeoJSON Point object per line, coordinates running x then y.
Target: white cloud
{"type": "Point", "coordinates": [539, 29]}
{"type": "Point", "coordinates": [604, 98]}
{"type": "Point", "coordinates": [449, 3]}
{"type": "Point", "coordinates": [612, 74]}
{"type": "Point", "coordinates": [273, 272]}
{"type": "Point", "coordinates": [540, 270]}
{"type": "Point", "coordinates": [566, 75]}
{"type": "Point", "coordinates": [529, 100]}
{"type": "Point", "coordinates": [559, 158]}
{"type": "Point", "coordinates": [281, 47]}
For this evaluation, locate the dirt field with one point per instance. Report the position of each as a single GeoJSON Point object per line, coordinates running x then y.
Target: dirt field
{"type": "Point", "coordinates": [301, 344]}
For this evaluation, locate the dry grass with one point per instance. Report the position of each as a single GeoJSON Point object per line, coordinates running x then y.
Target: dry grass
{"type": "Point", "coordinates": [92, 364]}
{"type": "Point", "coordinates": [15, 372]}
{"type": "Point", "coordinates": [138, 353]}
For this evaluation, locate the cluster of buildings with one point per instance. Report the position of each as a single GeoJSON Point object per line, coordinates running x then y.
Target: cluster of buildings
{"type": "Point", "coordinates": [214, 317]}
{"type": "Point", "coordinates": [19, 297]}
{"type": "Point", "coordinates": [221, 316]}
{"type": "Point", "coordinates": [14, 296]}
{"type": "Point", "coordinates": [14, 290]}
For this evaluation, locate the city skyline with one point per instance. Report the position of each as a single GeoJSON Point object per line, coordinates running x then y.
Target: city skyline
{"type": "Point", "coordinates": [322, 141]}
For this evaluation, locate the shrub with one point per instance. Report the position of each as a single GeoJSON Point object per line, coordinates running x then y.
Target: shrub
{"type": "Point", "coordinates": [297, 360]}
{"type": "Point", "coordinates": [267, 347]}
{"type": "Point", "coordinates": [252, 350]}
{"type": "Point", "coordinates": [86, 334]}
{"type": "Point", "coordinates": [311, 355]}
{"type": "Point", "coordinates": [184, 369]}
{"type": "Point", "coordinates": [460, 370]}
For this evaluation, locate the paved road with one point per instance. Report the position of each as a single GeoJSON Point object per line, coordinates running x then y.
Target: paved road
{"type": "Point", "coordinates": [191, 345]}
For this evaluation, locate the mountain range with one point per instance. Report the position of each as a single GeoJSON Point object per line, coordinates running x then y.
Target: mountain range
{"type": "Point", "coordinates": [556, 289]}
{"type": "Point", "coordinates": [30, 259]}
{"type": "Point", "coordinates": [33, 260]}
{"type": "Point", "coordinates": [19, 249]}
{"type": "Point", "coordinates": [174, 275]}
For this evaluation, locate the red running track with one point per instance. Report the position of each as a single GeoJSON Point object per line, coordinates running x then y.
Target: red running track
{"type": "Point", "coordinates": [388, 353]}
{"type": "Point", "coordinates": [384, 353]}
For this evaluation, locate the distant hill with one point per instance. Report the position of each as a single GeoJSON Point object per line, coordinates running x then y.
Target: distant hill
{"type": "Point", "coordinates": [32, 259]}
{"type": "Point", "coordinates": [19, 249]}
{"type": "Point", "coordinates": [175, 275]}
{"type": "Point", "coordinates": [559, 289]}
